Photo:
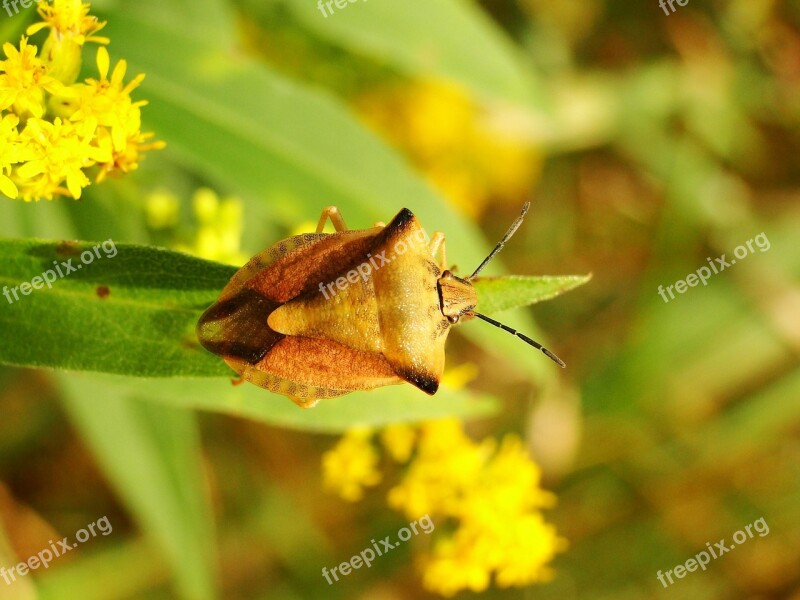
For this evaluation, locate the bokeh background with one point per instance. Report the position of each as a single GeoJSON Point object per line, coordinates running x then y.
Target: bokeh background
{"type": "Point", "coordinates": [646, 141]}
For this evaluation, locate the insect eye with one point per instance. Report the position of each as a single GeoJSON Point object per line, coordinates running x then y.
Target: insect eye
{"type": "Point", "coordinates": [453, 320]}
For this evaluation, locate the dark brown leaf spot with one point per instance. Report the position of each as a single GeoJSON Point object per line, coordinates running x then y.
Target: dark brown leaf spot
{"type": "Point", "coordinates": [67, 248]}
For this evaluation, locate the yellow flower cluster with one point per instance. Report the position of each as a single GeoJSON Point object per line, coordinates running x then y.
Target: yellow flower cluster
{"type": "Point", "coordinates": [491, 494]}
{"type": "Point", "coordinates": [459, 145]}
{"type": "Point", "coordinates": [53, 129]}
{"type": "Point", "coordinates": [220, 224]}
{"type": "Point", "coordinates": [352, 465]}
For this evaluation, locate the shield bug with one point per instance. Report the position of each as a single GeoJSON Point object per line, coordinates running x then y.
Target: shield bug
{"type": "Point", "coordinates": [320, 315]}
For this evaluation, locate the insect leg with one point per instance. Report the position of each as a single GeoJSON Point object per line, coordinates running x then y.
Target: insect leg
{"type": "Point", "coordinates": [335, 216]}
{"type": "Point", "coordinates": [437, 245]}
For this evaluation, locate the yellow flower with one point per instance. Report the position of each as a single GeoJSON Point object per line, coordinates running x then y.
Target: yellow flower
{"type": "Point", "coordinates": [220, 232]}
{"type": "Point", "coordinates": [126, 160]}
{"type": "Point", "coordinates": [109, 101]}
{"type": "Point", "coordinates": [399, 441]}
{"type": "Point", "coordinates": [23, 81]}
{"type": "Point", "coordinates": [510, 481]}
{"type": "Point", "coordinates": [515, 548]}
{"type": "Point", "coordinates": [351, 465]}
{"type": "Point", "coordinates": [9, 140]}
{"type": "Point", "coordinates": [68, 128]}
{"type": "Point", "coordinates": [55, 153]}
{"type": "Point", "coordinates": [69, 19]}
{"type": "Point", "coordinates": [71, 26]}
{"type": "Point", "coordinates": [162, 209]}
{"type": "Point", "coordinates": [528, 545]}
{"type": "Point", "coordinates": [453, 567]}
{"type": "Point", "coordinates": [457, 143]}
{"type": "Point", "coordinates": [447, 464]}
{"type": "Point", "coordinates": [458, 377]}
{"type": "Point", "coordinates": [206, 206]}
{"type": "Point", "coordinates": [489, 495]}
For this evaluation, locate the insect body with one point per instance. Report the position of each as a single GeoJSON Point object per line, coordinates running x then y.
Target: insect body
{"type": "Point", "coordinates": [321, 315]}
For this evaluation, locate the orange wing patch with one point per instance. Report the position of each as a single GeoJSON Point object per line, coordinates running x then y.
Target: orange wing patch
{"type": "Point", "coordinates": [319, 261]}
{"type": "Point", "coordinates": [326, 368]}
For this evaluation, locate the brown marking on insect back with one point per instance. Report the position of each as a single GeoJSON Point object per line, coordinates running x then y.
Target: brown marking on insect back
{"type": "Point", "coordinates": [237, 327]}
{"type": "Point", "coordinates": [68, 248]}
{"type": "Point", "coordinates": [321, 262]}
{"type": "Point", "coordinates": [316, 363]}
{"type": "Point", "coordinates": [102, 291]}
{"type": "Point", "coordinates": [262, 261]}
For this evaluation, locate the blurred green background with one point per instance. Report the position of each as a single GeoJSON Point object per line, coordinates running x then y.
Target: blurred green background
{"type": "Point", "coordinates": [647, 143]}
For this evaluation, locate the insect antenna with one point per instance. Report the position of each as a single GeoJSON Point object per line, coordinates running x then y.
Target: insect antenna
{"type": "Point", "coordinates": [511, 230]}
{"type": "Point", "coordinates": [523, 337]}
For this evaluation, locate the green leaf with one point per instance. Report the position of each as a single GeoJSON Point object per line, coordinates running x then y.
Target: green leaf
{"type": "Point", "coordinates": [143, 326]}
{"type": "Point", "coordinates": [391, 404]}
{"type": "Point", "coordinates": [428, 39]}
{"type": "Point", "coordinates": [151, 455]}
{"type": "Point", "coordinates": [496, 294]}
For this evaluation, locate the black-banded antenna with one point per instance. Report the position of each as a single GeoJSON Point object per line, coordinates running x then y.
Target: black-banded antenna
{"type": "Point", "coordinates": [523, 337]}
{"type": "Point", "coordinates": [511, 230]}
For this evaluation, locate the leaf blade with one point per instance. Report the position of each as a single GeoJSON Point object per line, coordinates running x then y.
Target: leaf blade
{"type": "Point", "coordinates": [429, 39]}
{"type": "Point", "coordinates": [496, 294]}
{"type": "Point", "coordinates": [143, 326]}
{"type": "Point", "coordinates": [392, 404]}
{"type": "Point", "coordinates": [150, 453]}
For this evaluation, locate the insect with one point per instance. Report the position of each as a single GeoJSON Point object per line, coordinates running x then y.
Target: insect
{"type": "Point", "coordinates": [320, 315]}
